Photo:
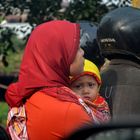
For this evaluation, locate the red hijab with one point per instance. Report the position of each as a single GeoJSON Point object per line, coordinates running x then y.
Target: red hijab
{"type": "Point", "coordinates": [50, 50]}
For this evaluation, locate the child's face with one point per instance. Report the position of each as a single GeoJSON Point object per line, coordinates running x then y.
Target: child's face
{"type": "Point", "coordinates": [86, 86]}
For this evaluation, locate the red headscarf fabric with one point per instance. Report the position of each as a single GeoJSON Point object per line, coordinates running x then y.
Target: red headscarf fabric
{"type": "Point", "coordinates": [50, 50]}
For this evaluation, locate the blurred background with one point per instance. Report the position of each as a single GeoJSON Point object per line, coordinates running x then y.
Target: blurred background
{"type": "Point", "coordinates": [19, 17]}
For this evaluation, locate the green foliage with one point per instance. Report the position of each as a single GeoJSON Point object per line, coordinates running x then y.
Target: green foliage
{"type": "Point", "coordinates": [85, 10]}
{"type": "Point", "coordinates": [45, 10]}
{"type": "Point", "coordinates": [42, 10]}
{"type": "Point", "coordinates": [3, 113]}
{"type": "Point", "coordinates": [13, 58]}
{"type": "Point", "coordinates": [6, 44]}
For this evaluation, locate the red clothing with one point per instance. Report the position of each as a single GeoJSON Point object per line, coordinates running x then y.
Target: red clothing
{"type": "Point", "coordinates": [50, 50]}
{"type": "Point", "coordinates": [100, 109]}
{"type": "Point", "coordinates": [52, 119]}
{"type": "Point", "coordinates": [52, 112]}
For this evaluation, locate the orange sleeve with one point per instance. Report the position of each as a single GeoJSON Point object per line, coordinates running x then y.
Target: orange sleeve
{"type": "Point", "coordinates": [51, 119]}
{"type": "Point", "coordinates": [76, 117]}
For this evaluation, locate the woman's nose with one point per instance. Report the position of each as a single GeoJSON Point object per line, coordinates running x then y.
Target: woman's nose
{"type": "Point", "coordinates": [82, 51]}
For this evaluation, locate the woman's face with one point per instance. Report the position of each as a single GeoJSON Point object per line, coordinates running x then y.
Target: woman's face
{"type": "Point", "coordinates": [78, 64]}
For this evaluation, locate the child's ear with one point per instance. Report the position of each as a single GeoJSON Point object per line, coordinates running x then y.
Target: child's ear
{"type": "Point", "coordinates": [99, 87]}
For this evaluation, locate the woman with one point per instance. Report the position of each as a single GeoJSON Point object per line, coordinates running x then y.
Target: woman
{"type": "Point", "coordinates": [52, 54]}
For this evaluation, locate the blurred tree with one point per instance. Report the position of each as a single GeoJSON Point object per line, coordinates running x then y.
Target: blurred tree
{"type": "Point", "coordinates": [85, 10]}
{"type": "Point", "coordinates": [6, 44]}
{"type": "Point", "coordinates": [44, 10]}
{"type": "Point", "coordinates": [40, 11]}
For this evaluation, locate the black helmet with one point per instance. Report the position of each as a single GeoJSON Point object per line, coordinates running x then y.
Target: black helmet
{"type": "Point", "coordinates": [89, 44]}
{"type": "Point", "coordinates": [118, 34]}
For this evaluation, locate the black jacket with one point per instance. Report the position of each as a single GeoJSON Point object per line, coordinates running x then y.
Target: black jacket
{"type": "Point", "coordinates": [121, 88]}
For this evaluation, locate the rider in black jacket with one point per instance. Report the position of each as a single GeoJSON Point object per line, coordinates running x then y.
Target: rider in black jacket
{"type": "Point", "coordinates": [118, 36]}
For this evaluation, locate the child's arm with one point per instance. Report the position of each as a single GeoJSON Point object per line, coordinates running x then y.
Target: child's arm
{"type": "Point", "coordinates": [103, 111]}
{"type": "Point", "coordinates": [100, 109]}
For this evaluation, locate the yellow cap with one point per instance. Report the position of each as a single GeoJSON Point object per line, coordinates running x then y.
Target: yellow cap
{"type": "Point", "coordinates": [89, 69]}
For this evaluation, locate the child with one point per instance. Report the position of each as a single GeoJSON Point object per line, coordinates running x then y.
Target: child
{"type": "Point", "coordinates": [87, 86]}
